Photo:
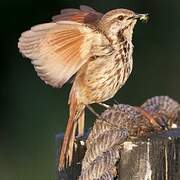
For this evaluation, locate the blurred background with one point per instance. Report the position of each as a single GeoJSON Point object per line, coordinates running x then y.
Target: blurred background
{"type": "Point", "coordinates": [32, 113]}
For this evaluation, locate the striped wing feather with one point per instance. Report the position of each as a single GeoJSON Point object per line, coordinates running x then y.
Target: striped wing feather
{"type": "Point", "coordinates": [85, 14]}
{"type": "Point", "coordinates": [57, 50]}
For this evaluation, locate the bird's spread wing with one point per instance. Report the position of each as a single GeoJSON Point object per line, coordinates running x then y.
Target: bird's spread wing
{"type": "Point", "coordinates": [85, 14]}
{"type": "Point", "coordinates": [58, 50]}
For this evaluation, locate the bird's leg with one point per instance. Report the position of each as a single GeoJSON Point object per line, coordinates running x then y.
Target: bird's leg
{"type": "Point", "coordinates": [116, 101]}
{"type": "Point", "coordinates": [104, 105]}
{"type": "Point", "coordinates": [93, 111]}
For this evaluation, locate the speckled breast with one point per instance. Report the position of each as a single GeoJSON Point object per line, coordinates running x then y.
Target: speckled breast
{"type": "Point", "coordinates": [102, 77]}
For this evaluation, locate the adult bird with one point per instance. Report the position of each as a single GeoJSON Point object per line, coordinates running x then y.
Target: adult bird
{"type": "Point", "coordinates": [94, 48]}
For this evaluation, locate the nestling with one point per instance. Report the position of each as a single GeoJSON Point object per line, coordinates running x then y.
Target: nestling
{"type": "Point", "coordinates": [94, 48]}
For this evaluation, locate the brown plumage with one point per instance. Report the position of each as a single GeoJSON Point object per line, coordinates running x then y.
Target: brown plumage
{"type": "Point", "coordinates": [96, 48]}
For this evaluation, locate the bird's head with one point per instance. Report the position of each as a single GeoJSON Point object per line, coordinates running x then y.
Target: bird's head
{"type": "Point", "coordinates": [120, 21]}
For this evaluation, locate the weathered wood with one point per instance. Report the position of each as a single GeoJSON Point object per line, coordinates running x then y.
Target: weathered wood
{"type": "Point", "coordinates": [156, 157]}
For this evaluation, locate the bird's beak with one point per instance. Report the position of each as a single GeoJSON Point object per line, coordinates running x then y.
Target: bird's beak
{"type": "Point", "coordinates": [142, 17]}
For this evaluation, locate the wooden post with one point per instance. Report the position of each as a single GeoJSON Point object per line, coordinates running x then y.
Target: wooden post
{"type": "Point", "coordinates": [156, 157]}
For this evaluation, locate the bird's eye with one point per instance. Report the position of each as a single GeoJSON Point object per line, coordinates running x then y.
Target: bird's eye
{"type": "Point", "coordinates": [121, 17]}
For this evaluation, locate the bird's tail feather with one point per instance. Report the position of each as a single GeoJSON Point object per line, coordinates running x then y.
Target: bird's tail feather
{"type": "Point", "coordinates": [81, 124]}
{"type": "Point", "coordinates": [76, 118]}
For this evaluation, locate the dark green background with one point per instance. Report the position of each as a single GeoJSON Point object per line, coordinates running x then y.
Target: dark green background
{"type": "Point", "coordinates": [32, 113]}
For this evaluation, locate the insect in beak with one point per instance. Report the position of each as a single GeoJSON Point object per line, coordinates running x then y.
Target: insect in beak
{"type": "Point", "coordinates": [142, 17]}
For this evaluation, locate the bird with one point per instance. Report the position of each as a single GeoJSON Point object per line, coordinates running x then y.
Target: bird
{"type": "Point", "coordinates": [93, 50]}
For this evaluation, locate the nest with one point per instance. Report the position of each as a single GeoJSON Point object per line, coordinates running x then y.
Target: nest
{"type": "Point", "coordinates": [119, 123]}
